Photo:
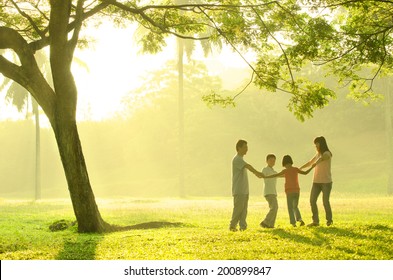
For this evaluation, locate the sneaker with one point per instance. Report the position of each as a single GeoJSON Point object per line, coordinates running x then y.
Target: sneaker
{"type": "Point", "coordinates": [329, 223]}
{"type": "Point", "coordinates": [313, 224]}
{"type": "Point", "coordinates": [302, 223]}
{"type": "Point", "coordinates": [233, 229]}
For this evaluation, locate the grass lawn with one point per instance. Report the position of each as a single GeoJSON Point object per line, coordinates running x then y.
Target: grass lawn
{"type": "Point", "coordinates": [363, 229]}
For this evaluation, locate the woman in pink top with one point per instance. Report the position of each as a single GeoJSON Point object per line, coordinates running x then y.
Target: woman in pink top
{"type": "Point", "coordinates": [292, 189]}
{"type": "Point", "coordinates": [322, 181]}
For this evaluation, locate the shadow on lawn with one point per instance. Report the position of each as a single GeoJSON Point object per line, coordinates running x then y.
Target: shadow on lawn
{"type": "Point", "coordinates": [83, 248]}
{"type": "Point", "coordinates": [149, 225]}
{"type": "Point", "coordinates": [85, 245]}
{"type": "Point", "coordinates": [323, 236]}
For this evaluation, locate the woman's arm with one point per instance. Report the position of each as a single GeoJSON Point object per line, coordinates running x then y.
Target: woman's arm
{"type": "Point", "coordinates": [326, 156]}
{"type": "Point", "coordinates": [311, 162]}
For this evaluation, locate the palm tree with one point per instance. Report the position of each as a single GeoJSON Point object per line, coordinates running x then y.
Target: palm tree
{"type": "Point", "coordinates": [185, 46]}
{"type": "Point", "coordinates": [389, 135]}
{"type": "Point", "coordinates": [180, 64]}
{"type": "Point", "coordinates": [19, 97]}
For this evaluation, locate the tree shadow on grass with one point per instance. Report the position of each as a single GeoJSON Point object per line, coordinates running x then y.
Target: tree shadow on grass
{"type": "Point", "coordinates": [85, 245]}
{"type": "Point", "coordinates": [149, 225]}
{"type": "Point", "coordinates": [83, 248]}
{"type": "Point", "coordinates": [381, 235]}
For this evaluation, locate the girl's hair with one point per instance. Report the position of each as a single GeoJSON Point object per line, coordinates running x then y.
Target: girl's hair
{"type": "Point", "coordinates": [287, 160]}
{"type": "Point", "coordinates": [323, 147]}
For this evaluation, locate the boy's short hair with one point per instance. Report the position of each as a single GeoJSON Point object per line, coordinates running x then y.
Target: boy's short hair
{"type": "Point", "coordinates": [269, 156]}
{"type": "Point", "coordinates": [287, 160]}
{"type": "Point", "coordinates": [240, 144]}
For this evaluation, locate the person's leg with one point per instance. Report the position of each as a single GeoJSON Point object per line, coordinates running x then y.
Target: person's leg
{"type": "Point", "coordinates": [326, 190]}
{"type": "Point", "coordinates": [315, 191]}
{"type": "Point", "coordinates": [271, 216]}
{"type": "Point", "coordinates": [295, 205]}
{"type": "Point", "coordinates": [243, 215]}
{"type": "Point", "coordinates": [291, 213]}
{"type": "Point", "coordinates": [236, 212]}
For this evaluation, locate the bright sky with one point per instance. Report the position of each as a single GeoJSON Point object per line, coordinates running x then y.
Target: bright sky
{"type": "Point", "coordinates": [115, 67]}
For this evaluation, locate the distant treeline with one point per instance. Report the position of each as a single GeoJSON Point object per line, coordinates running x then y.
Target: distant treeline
{"type": "Point", "coordinates": [137, 155]}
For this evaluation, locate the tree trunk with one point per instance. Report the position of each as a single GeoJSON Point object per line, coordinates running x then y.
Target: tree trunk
{"type": "Point", "coordinates": [389, 137]}
{"type": "Point", "coordinates": [85, 208]}
{"type": "Point", "coordinates": [180, 65]}
{"type": "Point", "coordinates": [64, 118]}
{"type": "Point", "coordinates": [37, 150]}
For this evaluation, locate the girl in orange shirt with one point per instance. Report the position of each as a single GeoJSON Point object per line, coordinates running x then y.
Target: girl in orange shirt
{"type": "Point", "coordinates": [292, 189]}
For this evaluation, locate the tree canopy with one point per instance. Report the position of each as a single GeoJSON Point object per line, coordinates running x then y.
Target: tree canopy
{"type": "Point", "coordinates": [284, 35]}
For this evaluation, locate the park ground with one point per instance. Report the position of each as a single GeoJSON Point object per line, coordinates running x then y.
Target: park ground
{"type": "Point", "coordinates": [197, 229]}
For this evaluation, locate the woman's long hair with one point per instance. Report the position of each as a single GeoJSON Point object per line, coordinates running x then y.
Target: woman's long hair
{"type": "Point", "coordinates": [323, 147]}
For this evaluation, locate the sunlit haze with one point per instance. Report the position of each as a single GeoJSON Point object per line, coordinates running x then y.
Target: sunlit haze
{"type": "Point", "coordinates": [131, 144]}
{"type": "Point", "coordinates": [113, 65]}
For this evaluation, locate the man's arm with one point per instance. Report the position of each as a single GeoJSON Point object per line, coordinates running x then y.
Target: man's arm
{"type": "Point", "coordinates": [253, 170]}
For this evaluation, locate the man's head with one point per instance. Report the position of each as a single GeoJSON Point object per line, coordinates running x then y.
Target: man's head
{"type": "Point", "coordinates": [241, 147]}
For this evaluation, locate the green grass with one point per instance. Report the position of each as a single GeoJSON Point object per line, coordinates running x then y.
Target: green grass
{"type": "Point", "coordinates": [363, 229]}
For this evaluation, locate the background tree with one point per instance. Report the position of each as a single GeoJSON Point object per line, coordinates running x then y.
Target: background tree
{"type": "Point", "coordinates": [19, 97]}
{"type": "Point", "coordinates": [185, 46]}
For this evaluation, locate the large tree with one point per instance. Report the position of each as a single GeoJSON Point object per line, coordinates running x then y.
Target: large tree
{"type": "Point", "coordinates": [279, 32]}
{"type": "Point", "coordinates": [354, 40]}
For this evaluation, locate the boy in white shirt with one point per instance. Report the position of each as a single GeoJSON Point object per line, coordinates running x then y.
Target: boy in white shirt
{"type": "Point", "coordinates": [270, 192]}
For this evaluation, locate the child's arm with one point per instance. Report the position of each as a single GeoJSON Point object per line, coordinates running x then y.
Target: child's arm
{"type": "Point", "coordinates": [280, 174]}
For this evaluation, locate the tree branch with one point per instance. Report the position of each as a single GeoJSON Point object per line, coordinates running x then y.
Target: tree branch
{"type": "Point", "coordinates": [77, 25]}
{"type": "Point", "coordinates": [44, 42]}
{"type": "Point", "coordinates": [31, 21]}
{"type": "Point", "coordinates": [343, 3]}
{"type": "Point", "coordinates": [141, 12]}
{"type": "Point", "coordinates": [12, 71]}
{"type": "Point", "coordinates": [280, 46]}
{"type": "Point", "coordinates": [28, 74]}
{"type": "Point", "coordinates": [191, 7]}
